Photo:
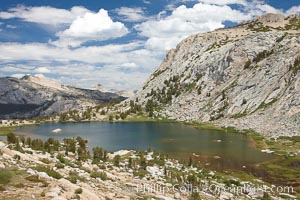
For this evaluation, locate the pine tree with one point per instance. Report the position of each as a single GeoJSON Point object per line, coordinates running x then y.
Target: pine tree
{"type": "Point", "coordinates": [11, 138]}
{"type": "Point", "coordinates": [117, 160]}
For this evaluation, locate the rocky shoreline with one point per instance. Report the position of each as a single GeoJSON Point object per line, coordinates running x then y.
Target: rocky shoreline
{"type": "Point", "coordinates": [57, 171]}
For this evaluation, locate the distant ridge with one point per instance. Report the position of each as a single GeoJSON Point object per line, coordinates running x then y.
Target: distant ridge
{"type": "Point", "coordinates": [35, 96]}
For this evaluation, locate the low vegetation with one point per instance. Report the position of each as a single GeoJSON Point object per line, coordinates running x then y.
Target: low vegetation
{"type": "Point", "coordinates": [285, 168]}
{"type": "Point", "coordinates": [281, 38]}
{"type": "Point", "coordinates": [6, 130]}
{"type": "Point", "coordinates": [294, 24]}
{"type": "Point", "coordinates": [262, 55]}
{"type": "Point", "coordinates": [5, 176]}
{"type": "Point", "coordinates": [49, 171]}
{"type": "Point", "coordinates": [296, 66]}
{"type": "Point", "coordinates": [101, 175]}
{"type": "Point", "coordinates": [257, 26]}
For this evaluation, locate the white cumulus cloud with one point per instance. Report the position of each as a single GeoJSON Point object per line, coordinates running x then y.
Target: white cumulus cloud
{"type": "Point", "coordinates": [131, 14]}
{"type": "Point", "coordinates": [225, 2]}
{"type": "Point", "coordinates": [165, 33]}
{"type": "Point", "coordinates": [293, 10]}
{"type": "Point", "coordinates": [91, 27]}
{"type": "Point", "coordinates": [42, 70]}
{"type": "Point", "coordinates": [44, 14]}
{"type": "Point", "coordinates": [115, 65]}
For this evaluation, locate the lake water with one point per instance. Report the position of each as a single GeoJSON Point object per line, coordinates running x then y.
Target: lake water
{"type": "Point", "coordinates": [217, 149]}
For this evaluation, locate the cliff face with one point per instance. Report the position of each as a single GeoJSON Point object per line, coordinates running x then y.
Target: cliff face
{"type": "Point", "coordinates": [247, 76]}
{"type": "Point", "coordinates": [38, 96]}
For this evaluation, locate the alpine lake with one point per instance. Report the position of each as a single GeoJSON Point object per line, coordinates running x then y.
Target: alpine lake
{"type": "Point", "coordinates": [215, 149]}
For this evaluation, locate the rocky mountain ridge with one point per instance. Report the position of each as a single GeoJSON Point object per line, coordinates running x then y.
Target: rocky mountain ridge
{"type": "Point", "coordinates": [124, 93]}
{"type": "Point", "coordinates": [34, 96]}
{"type": "Point", "coordinates": [246, 76]}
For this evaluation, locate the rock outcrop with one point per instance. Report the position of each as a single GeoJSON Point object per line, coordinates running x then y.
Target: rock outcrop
{"type": "Point", "coordinates": [246, 76]}
{"type": "Point", "coordinates": [34, 96]}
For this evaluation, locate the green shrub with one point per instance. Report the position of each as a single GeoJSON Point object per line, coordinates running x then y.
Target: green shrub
{"type": "Point", "coordinates": [72, 179]}
{"type": "Point", "coordinates": [262, 55]}
{"type": "Point", "coordinates": [247, 64]}
{"type": "Point", "coordinates": [11, 138]}
{"type": "Point", "coordinates": [78, 191]}
{"type": "Point", "coordinates": [48, 171]}
{"type": "Point", "coordinates": [64, 161]}
{"type": "Point", "coordinates": [5, 176]}
{"type": "Point", "coordinates": [102, 166]}
{"type": "Point", "coordinates": [101, 175]}
{"type": "Point", "coordinates": [117, 160]}
{"type": "Point", "coordinates": [28, 152]}
{"type": "Point", "coordinates": [85, 169]}
{"type": "Point", "coordinates": [281, 38]}
{"type": "Point", "coordinates": [195, 196]}
{"type": "Point", "coordinates": [2, 188]}
{"type": "Point", "coordinates": [296, 66]}
{"type": "Point", "coordinates": [45, 160]}
{"type": "Point", "coordinates": [19, 185]}
{"type": "Point", "coordinates": [17, 157]}
{"type": "Point", "coordinates": [34, 178]}
{"type": "Point", "coordinates": [159, 162]}
{"type": "Point", "coordinates": [59, 165]}
{"type": "Point", "coordinates": [140, 173]}
{"type": "Point", "coordinates": [99, 154]}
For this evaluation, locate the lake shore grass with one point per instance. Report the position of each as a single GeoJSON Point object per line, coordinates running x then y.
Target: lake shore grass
{"type": "Point", "coordinates": [5, 130]}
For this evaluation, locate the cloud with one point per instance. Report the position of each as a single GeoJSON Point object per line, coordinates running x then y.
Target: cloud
{"type": "Point", "coordinates": [225, 2]}
{"type": "Point", "coordinates": [165, 33]}
{"type": "Point", "coordinates": [119, 66]}
{"type": "Point", "coordinates": [43, 52]}
{"type": "Point", "coordinates": [42, 70]}
{"type": "Point", "coordinates": [17, 68]}
{"type": "Point", "coordinates": [129, 65]}
{"type": "Point", "coordinates": [90, 27]}
{"type": "Point", "coordinates": [108, 75]}
{"type": "Point", "coordinates": [115, 66]}
{"type": "Point", "coordinates": [167, 30]}
{"type": "Point", "coordinates": [18, 75]}
{"type": "Point", "coordinates": [44, 14]}
{"type": "Point", "coordinates": [255, 7]}
{"type": "Point", "coordinates": [13, 68]}
{"type": "Point", "coordinates": [260, 9]}
{"type": "Point", "coordinates": [84, 75]}
{"type": "Point", "coordinates": [173, 4]}
{"type": "Point", "coordinates": [131, 14]}
{"type": "Point", "coordinates": [293, 10]}
{"type": "Point", "coordinates": [9, 26]}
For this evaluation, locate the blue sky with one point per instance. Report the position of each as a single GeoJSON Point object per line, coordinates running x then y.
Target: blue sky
{"type": "Point", "coordinates": [116, 43]}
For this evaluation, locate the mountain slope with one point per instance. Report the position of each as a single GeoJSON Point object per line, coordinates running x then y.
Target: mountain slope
{"type": "Point", "coordinates": [246, 76]}
{"type": "Point", "coordinates": [123, 93]}
{"type": "Point", "coordinates": [34, 96]}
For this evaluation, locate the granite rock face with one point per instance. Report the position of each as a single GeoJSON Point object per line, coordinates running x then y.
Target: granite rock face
{"type": "Point", "coordinates": [247, 76]}
{"type": "Point", "coordinates": [38, 96]}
